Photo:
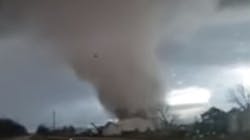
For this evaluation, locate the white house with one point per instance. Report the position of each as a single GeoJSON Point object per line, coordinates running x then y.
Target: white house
{"type": "Point", "coordinates": [111, 129]}
{"type": "Point", "coordinates": [133, 124]}
{"type": "Point", "coordinates": [128, 125]}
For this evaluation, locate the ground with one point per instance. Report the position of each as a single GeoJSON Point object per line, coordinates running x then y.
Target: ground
{"type": "Point", "coordinates": [61, 138]}
{"type": "Point", "coordinates": [121, 138]}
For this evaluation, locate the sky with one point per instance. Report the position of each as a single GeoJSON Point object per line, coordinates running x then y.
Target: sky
{"type": "Point", "coordinates": [34, 84]}
{"type": "Point", "coordinates": [215, 58]}
{"type": "Point", "coordinates": [201, 45]}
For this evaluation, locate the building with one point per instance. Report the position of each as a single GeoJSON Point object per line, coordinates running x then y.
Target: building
{"type": "Point", "coordinates": [111, 129]}
{"type": "Point", "coordinates": [135, 124]}
{"type": "Point", "coordinates": [239, 120]}
{"type": "Point", "coordinates": [233, 122]}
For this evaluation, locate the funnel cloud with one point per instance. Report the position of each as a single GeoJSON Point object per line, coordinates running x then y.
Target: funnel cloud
{"type": "Point", "coordinates": [108, 43]}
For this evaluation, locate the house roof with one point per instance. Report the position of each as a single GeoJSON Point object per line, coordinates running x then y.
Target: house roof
{"type": "Point", "coordinates": [213, 110]}
{"type": "Point", "coordinates": [234, 110]}
{"type": "Point", "coordinates": [109, 124]}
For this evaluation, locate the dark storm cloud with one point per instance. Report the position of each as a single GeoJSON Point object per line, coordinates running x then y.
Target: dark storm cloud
{"type": "Point", "coordinates": [204, 48]}
{"type": "Point", "coordinates": [232, 3]}
{"type": "Point", "coordinates": [211, 45]}
{"type": "Point", "coordinates": [47, 45]}
{"type": "Point", "coordinates": [34, 83]}
{"type": "Point", "coordinates": [108, 43]}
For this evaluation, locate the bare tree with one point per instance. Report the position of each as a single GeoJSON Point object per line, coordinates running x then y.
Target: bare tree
{"type": "Point", "coordinates": [241, 96]}
{"type": "Point", "coordinates": [163, 111]}
{"type": "Point", "coordinates": [98, 129]}
{"type": "Point", "coordinates": [166, 117]}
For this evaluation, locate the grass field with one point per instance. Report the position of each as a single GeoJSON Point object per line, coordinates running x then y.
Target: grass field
{"type": "Point", "coordinates": [63, 138]}
{"type": "Point", "coordinates": [233, 137]}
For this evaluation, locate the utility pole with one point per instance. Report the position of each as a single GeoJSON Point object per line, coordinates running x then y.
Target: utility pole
{"type": "Point", "coordinates": [54, 120]}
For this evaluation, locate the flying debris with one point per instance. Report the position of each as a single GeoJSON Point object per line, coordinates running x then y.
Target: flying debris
{"type": "Point", "coordinates": [95, 55]}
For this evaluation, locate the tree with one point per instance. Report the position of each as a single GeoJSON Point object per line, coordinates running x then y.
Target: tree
{"type": "Point", "coordinates": [214, 121]}
{"type": "Point", "coordinates": [98, 129]}
{"type": "Point", "coordinates": [163, 112]}
{"type": "Point", "coordinates": [10, 128]}
{"type": "Point", "coordinates": [167, 118]}
{"type": "Point", "coordinates": [42, 130]}
{"type": "Point", "coordinates": [241, 96]}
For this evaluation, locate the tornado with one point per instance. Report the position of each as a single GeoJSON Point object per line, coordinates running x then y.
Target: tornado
{"type": "Point", "coordinates": [112, 43]}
